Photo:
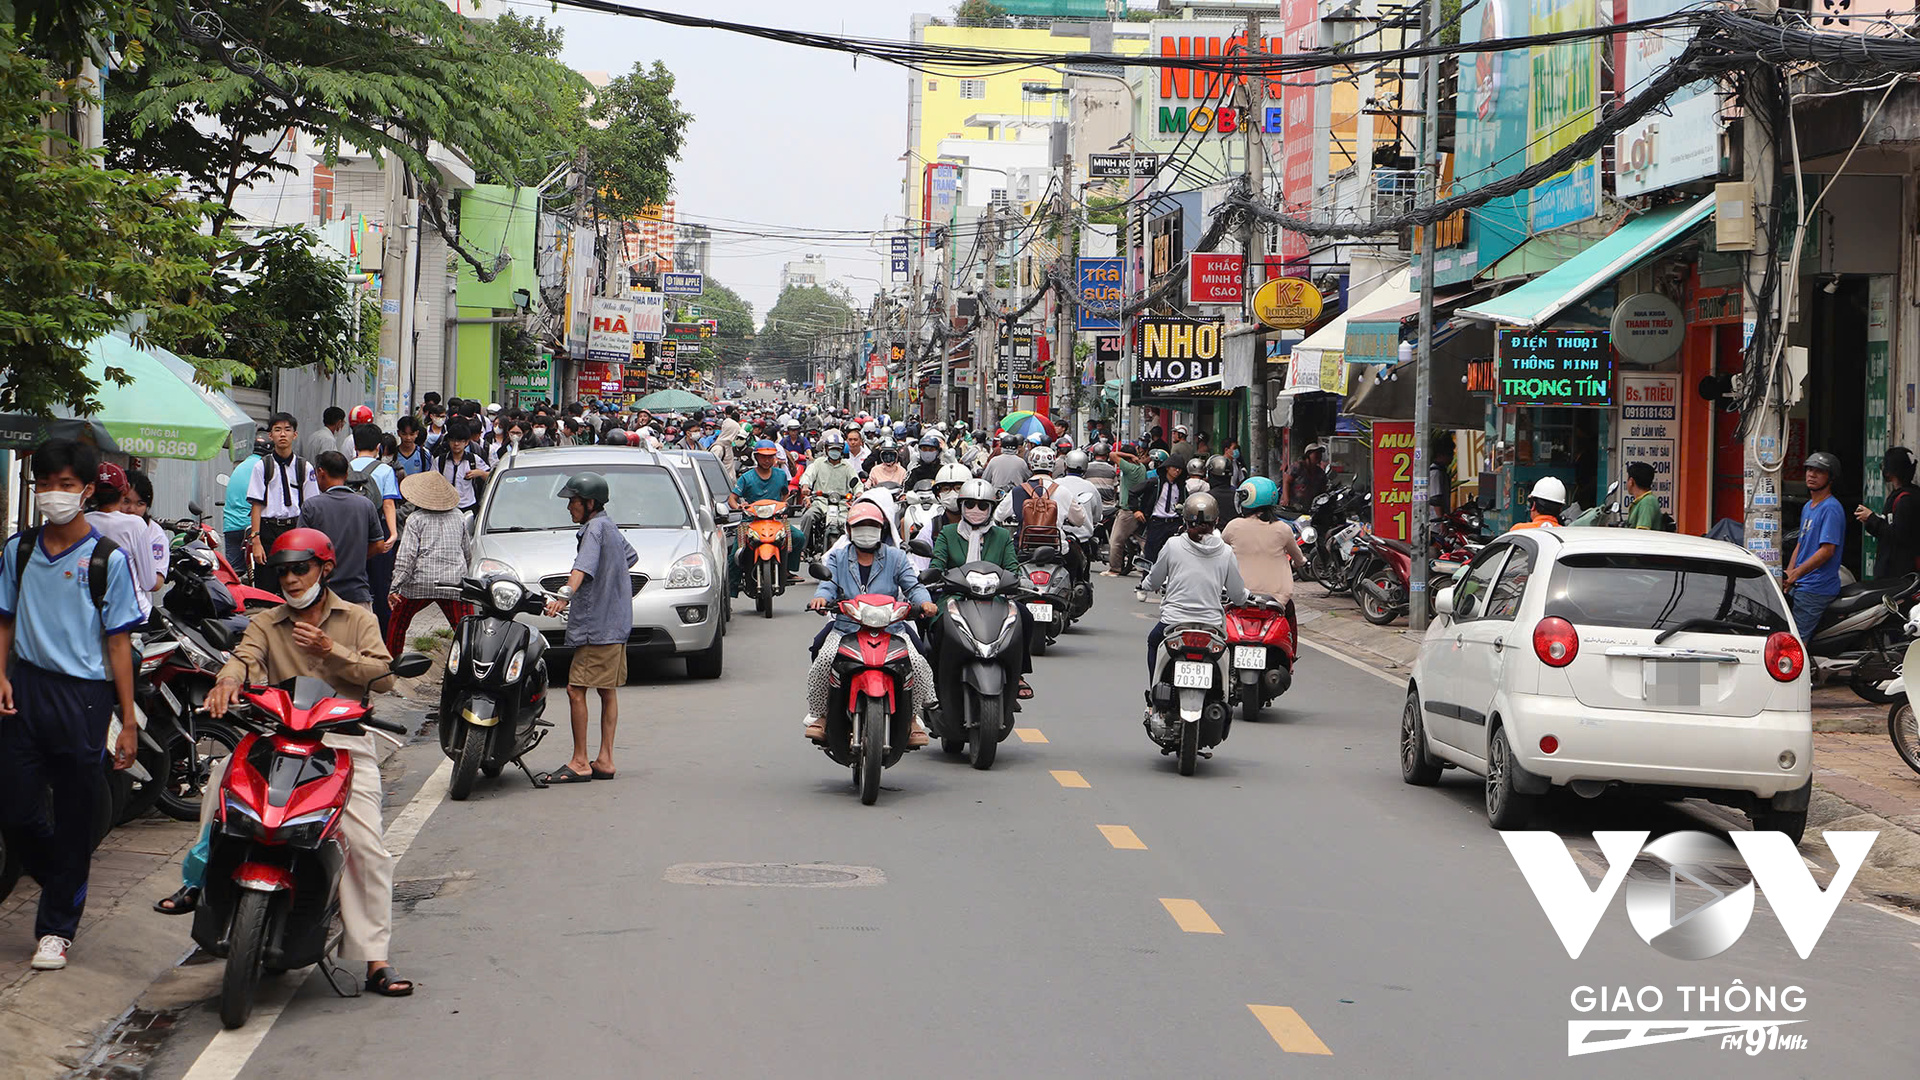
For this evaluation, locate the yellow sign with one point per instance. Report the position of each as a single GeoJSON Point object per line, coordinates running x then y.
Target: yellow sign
{"type": "Point", "coordinates": [1287, 303]}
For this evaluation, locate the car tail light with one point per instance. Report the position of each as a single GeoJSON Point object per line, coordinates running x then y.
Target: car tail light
{"type": "Point", "coordinates": [1785, 657]}
{"type": "Point", "coordinates": [1040, 577]}
{"type": "Point", "coordinates": [1548, 744]}
{"type": "Point", "coordinates": [1555, 642]}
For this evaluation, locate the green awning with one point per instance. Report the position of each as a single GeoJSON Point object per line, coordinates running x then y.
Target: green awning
{"type": "Point", "coordinates": [1538, 301]}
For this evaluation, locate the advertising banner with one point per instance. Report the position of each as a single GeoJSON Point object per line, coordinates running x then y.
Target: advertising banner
{"type": "Point", "coordinates": [1216, 278]}
{"type": "Point", "coordinates": [1100, 282]}
{"type": "Point", "coordinates": [1681, 140]}
{"type": "Point", "coordinates": [610, 337]}
{"type": "Point", "coordinates": [601, 380]}
{"type": "Point", "coordinates": [527, 387]}
{"type": "Point", "coordinates": [1558, 368]}
{"type": "Point", "coordinates": [649, 316]}
{"type": "Point", "coordinates": [1172, 352]}
{"type": "Point", "coordinates": [1491, 125]}
{"type": "Point", "coordinates": [1299, 98]}
{"type": "Point", "coordinates": [1563, 101]}
{"type": "Point", "coordinates": [1027, 379]}
{"type": "Point", "coordinates": [1393, 479]}
{"type": "Point", "coordinates": [1650, 409]}
{"type": "Point", "coordinates": [683, 284]}
{"type": "Point", "coordinates": [876, 374]}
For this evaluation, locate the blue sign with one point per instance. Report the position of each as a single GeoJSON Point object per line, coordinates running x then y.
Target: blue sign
{"type": "Point", "coordinates": [1101, 293]}
{"type": "Point", "coordinates": [682, 284]}
{"type": "Point", "coordinates": [899, 247]}
{"type": "Point", "coordinates": [900, 265]}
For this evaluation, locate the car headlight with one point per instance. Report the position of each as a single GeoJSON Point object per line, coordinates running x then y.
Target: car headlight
{"type": "Point", "coordinates": [513, 667]}
{"type": "Point", "coordinates": [490, 567]}
{"type": "Point", "coordinates": [506, 594]}
{"type": "Point", "coordinates": [689, 573]}
{"type": "Point", "coordinates": [453, 657]}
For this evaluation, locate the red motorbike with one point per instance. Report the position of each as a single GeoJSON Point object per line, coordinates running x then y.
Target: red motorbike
{"type": "Point", "coordinates": [205, 546]}
{"type": "Point", "coordinates": [275, 855]}
{"type": "Point", "coordinates": [1383, 582]}
{"type": "Point", "coordinates": [1264, 645]}
{"type": "Point", "coordinates": [869, 716]}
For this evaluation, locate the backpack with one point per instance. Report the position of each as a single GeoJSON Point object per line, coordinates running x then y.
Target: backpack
{"type": "Point", "coordinates": [1039, 515]}
{"type": "Point", "coordinates": [97, 566]}
{"type": "Point", "coordinates": [267, 465]}
{"type": "Point", "coordinates": [360, 481]}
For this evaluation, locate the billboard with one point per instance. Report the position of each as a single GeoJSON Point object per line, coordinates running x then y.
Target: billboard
{"type": "Point", "coordinates": [1491, 135]}
{"type": "Point", "coordinates": [1681, 140]}
{"type": "Point", "coordinates": [1176, 351]}
{"type": "Point", "coordinates": [1300, 32]}
{"type": "Point", "coordinates": [1563, 101]}
{"type": "Point", "coordinates": [610, 337]}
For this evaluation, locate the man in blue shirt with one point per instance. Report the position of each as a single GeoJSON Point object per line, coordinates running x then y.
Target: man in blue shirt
{"type": "Point", "coordinates": [69, 662]}
{"type": "Point", "coordinates": [238, 517]}
{"type": "Point", "coordinates": [1814, 577]}
{"type": "Point", "coordinates": [766, 480]}
{"type": "Point", "coordinates": [599, 607]}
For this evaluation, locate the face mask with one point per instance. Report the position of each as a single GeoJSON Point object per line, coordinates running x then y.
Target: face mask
{"type": "Point", "coordinates": [865, 537]}
{"type": "Point", "coordinates": [834, 454]}
{"type": "Point", "coordinates": [514, 438]}
{"type": "Point", "coordinates": [977, 517]}
{"type": "Point", "coordinates": [539, 433]}
{"type": "Point", "coordinates": [305, 600]}
{"type": "Point", "coordinates": [58, 507]}
{"type": "Point", "coordinates": [928, 455]}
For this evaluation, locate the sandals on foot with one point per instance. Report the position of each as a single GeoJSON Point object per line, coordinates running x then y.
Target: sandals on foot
{"type": "Point", "coordinates": [384, 983]}
{"type": "Point", "coordinates": [184, 900]}
{"type": "Point", "coordinates": [565, 775]}
{"type": "Point", "coordinates": [1025, 692]}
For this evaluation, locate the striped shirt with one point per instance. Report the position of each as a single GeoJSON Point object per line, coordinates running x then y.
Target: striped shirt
{"type": "Point", "coordinates": [432, 556]}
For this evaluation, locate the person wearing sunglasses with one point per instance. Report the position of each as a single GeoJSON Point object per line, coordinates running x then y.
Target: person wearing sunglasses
{"type": "Point", "coordinates": [975, 538]}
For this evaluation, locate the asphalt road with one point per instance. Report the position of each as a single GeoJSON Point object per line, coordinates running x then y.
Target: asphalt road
{"type": "Point", "coordinates": [1292, 909]}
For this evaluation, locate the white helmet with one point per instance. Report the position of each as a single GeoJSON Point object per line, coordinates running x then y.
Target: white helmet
{"type": "Point", "coordinates": [952, 474]}
{"type": "Point", "coordinates": [1549, 488]}
{"type": "Point", "coordinates": [1040, 459]}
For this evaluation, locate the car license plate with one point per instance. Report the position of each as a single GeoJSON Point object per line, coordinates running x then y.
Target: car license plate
{"type": "Point", "coordinates": [1041, 612]}
{"type": "Point", "coordinates": [1250, 656]}
{"type": "Point", "coordinates": [1673, 682]}
{"type": "Point", "coordinates": [1192, 674]}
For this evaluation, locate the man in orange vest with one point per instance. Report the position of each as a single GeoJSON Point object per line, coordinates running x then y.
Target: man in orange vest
{"type": "Point", "coordinates": [1546, 500]}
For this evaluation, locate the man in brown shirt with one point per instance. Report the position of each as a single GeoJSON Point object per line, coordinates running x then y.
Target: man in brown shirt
{"type": "Point", "coordinates": [317, 634]}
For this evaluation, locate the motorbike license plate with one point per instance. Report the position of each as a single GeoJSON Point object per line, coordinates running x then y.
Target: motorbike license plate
{"type": "Point", "coordinates": [1041, 612]}
{"type": "Point", "coordinates": [1250, 656]}
{"type": "Point", "coordinates": [1191, 674]}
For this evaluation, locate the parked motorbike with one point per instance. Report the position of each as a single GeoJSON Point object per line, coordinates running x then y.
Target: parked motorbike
{"type": "Point", "coordinates": [275, 858]}
{"type": "Point", "coordinates": [976, 661]}
{"type": "Point", "coordinates": [1902, 727]}
{"type": "Point", "coordinates": [763, 553]}
{"type": "Point", "coordinates": [1047, 590]}
{"type": "Point", "coordinates": [1861, 637]}
{"type": "Point", "coordinates": [1264, 646]}
{"type": "Point", "coordinates": [1187, 714]}
{"type": "Point", "coordinates": [495, 689]}
{"type": "Point", "coordinates": [868, 713]}
{"type": "Point", "coordinates": [1336, 519]}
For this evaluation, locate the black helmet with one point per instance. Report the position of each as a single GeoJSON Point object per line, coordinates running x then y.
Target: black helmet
{"type": "Point", "coordinates": [1200, 509]}
{"type": "Point", "coordinates": [1899, 462]}
{"type": "Point", "coordinates": [1009, 441]}
{"type": "Point", "coordinates": [589, 486]}
{"type": "Point", "coordinates": [1825, 462]}
{"type": "Point", "coordinates": [614, 436]}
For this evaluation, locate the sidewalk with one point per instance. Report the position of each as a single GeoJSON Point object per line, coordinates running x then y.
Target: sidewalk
{"type": "Point", "coordinates": [1852, 757]}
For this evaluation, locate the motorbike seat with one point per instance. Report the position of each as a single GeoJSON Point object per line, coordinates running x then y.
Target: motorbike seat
{"type": "Point", "coordinates": [1858, 597]}
{"type": "Point", "coordinates": [1391, 544]}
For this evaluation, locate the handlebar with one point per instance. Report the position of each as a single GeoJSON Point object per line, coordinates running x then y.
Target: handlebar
{"type": "Point", "coordinates": [384, 725]}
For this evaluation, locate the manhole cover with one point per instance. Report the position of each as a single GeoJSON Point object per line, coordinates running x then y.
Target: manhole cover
{"type": "Point", "coordinates": [776, 875]}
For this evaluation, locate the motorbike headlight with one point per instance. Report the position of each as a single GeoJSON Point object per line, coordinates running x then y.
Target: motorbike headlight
{"type": "Point", "coordinates": [307, 829]}
{"type": "Point", "coordinates": [1309, 534]}
{"type": "Point", "coordinates": [453, 657]}
{"type": "Point", "coordinates": [506, 594]}
{"type": "Point", "coordinates": [689, 573]}
{"type": "Point", "coordinates": [513, 666]}
{"type": "Point", "coordinates": [205, 557]}
{"type": "Point", "coordinates": [982, 584]}
{"type": "Point", "coordinates": [238, 820]}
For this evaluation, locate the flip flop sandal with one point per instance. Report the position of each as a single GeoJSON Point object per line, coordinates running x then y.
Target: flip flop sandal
{"type": "Point", "coordinates": [598, 775]}
{"type": "Point", "coordinates": [1025, 693]}
{"type": "Point", "coordinates": [565, 775]}
{"type": "Point", "coordinates": [184, 900]}
{"type": "Point", "coordinates": [384, 983]}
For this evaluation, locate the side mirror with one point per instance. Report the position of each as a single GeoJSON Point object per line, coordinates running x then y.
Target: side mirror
{"type": "Point", "coordinates": [920, 548]}
{"type": "Point", "coordinates": [818, 570]}
{"type": "Point", "coordinates": [223, 479]}
{"type": "Point", "coordinates": [412, 665]}
{"type": "Point", "coordinates": [1443, 602]}
{"type": "Point", "coordinates": [193, 507]}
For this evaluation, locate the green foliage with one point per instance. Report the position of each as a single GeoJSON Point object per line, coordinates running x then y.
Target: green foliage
{"type": "Point", "coordinates": [733, 336]}
{"type": "Point", "coordinates": [519, 351]}
{"type": "Point", "coordinates": [292, 306]}
{"type": "Point", "coordinates": [1449, 22]}
{"type": "Point", "coordinates": [979, 13]}
{"type": "Point", "coordinates": [87, 250]}
{"type": "Point", "coordinates": [798, 319]}
{"type": "Point", "coordinates": [635, 136]}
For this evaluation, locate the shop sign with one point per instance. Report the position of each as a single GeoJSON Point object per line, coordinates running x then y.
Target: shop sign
{"type": "Point", "coordinates": [683, 284]}
{"type": "Point", "coordinates": [1165, 242]}
{"type": "Point", "coordinates": [1393, 479]}
{"type": "Point", "coordinates": [1216, 278]}
{"type": "Point", "coordinates": [1647, 328]}
{"type": "Point", "coordinates": [649, 316]}
{"type": "Point", "coordinates": [610, 336]}
{"type": "Point", "coordinates": [1681, 140]}
{"type": "Point", "coordinates": [1717, 307]}
{"type": "Point", "coordinates": [1563, 101]}
{"type": "Point", "coordinates": [1557, 368]}
{"type": "Point", "coordinates": [896, 353]}
{"type": "Point", "coordinates": [1106, 349]}
{"type": "Point", "coordinates": [1173, 351]}
{"type": "Point", "coordinates": [1027, 379]}
{"type": "Point", "coordinates": [600, 380]}
{"type": "Point", "coordinates": [1301, 157]}
{"type": "Point", "coordinates": [1100, 283]}
{"type": "Point", "coordinates": [1879, 312]}
{"type": "Point", "coordinates": [876, 374]}
{"type": "Point", "coordinates": [528, 387]}
{"type": "Point", "coordinates": [1114, 166]}
{"type": "Point", "coordinates": [1650, 411]}
{"type": "Point", "coordinates": [1189, 100]}
{"type": "Point", "coordinates": [634, 384]}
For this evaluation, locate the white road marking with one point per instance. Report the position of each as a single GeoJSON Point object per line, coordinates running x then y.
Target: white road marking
{"type": "Point", "coordinates": [1397, 680]}
{"type": "Point", "coordinates": [230, 1051]}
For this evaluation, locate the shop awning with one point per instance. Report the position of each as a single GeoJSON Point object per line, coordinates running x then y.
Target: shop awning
{"type": "Point", "coordinates": [163, 412]}
{"type": "Point", "coordinates": [1375, 338]}
{"type": "Point", "coordinates": [1332, 338]}
{"type": "Point", "coordinates": [1537, 302]}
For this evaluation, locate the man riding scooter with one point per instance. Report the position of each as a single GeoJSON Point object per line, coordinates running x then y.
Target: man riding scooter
{"type": "Point", "coordinates": [766, 480]}
{"type": "Point", "coordinates": [830, 474]}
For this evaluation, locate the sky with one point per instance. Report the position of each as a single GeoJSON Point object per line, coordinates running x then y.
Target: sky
{"type": "Point", "coordinates": [781, 135]}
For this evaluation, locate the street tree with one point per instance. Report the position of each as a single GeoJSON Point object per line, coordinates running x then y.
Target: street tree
{"type": "Point", "coordinates": [802, 316]}
{"type": "Point", "coordinates": [733, 336]}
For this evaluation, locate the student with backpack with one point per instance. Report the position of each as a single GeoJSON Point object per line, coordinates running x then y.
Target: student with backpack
{"type": "Point", "coordinates": [349, 519]}
{"type": "Point", "coordinates": [67, 611]}
{"type": "Point", "coordinates": [374, 481]}
{"type": "Point", "coordinates": [454, 458]}
{"type": "Point", "coordinates": [280, 487]}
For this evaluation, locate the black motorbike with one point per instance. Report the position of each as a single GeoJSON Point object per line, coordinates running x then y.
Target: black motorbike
{"type": "Point", "coordinates": [188, 638]}
{"type": "Point", "coordinates": [495, 689]}
{"type": "Point", "coordinates": [1047, 589]}
{"type": "Point", "coordinates": [1330, 532]}
{"type": "Point", "coordinates": [976, 660]}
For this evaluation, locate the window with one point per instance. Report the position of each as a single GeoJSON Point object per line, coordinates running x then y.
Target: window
{"type": "Point", "coordinates": [973, 89]}
{"type": "Point", "coordinates": [1504, 601]}
{"type": "Point", "coordinates": [1475, 584]}
{"type": "Point", "coordinates": [1663, 591]}
{"type": "Point", "coordinates": [528, 500]}
{"type": "Point", "coordinates": [932, 85]}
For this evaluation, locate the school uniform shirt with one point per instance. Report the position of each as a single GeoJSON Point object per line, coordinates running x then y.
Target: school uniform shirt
{"type": "Point", "coordinates": [417, 462]}
{"type": "Point", "coordinates": [282, 486]}
{"type": "Point", "coordinates": [130, 532]}
{"type": "Point", "coordinates": [458, 473]}
{"type": "Point", "coordinates": [56, 626]}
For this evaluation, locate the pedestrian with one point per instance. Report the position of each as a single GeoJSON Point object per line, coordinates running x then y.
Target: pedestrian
{"type": "Point", "coordinates": [1643, 511]}
{"type": "Point", "coordinates": [237, 515]}
{"type": "Point", "coordinates": [410, 456]}
{"type": "Point", "coordinates": [154, 556]}
{"type": "Point", "coordinates": [127, 531]}
{"type": "Point", "coordinates": [333, 425]}
{"type": "Point", "coordinates": [375, 481]}
{"type": "Point", "coordinates": [430, 559]}
{"type": "Point", "coordinates": [66, 623]}
{"type": "Point", "coordinates": [278, 489]}
{"type": "Point", "coordinates": [1182, 449]}
{"type": "Point", "coordinates": [599, 605]}
{"type": "Point", "coordinates": [1897, 529]}
{"type": "Point", "coordinates": [1308, 479]}
{"type": "Point", "coordinates": [1815, 575]}
{"type": "Point", "coordinates": [456, 460]}
{"type": "Point", "coordinates": [1133, 475]}
{"type": "Point", "coordinates": [350, 521]}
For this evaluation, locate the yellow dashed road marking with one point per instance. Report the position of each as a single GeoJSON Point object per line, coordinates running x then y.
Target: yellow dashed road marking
{"type": "Point", "coordinates": [1121, 837]}
{"type": "Point", "coordinates": [1069, 778]}
{"type": "Point", "coordinates": [1191, 916]}
{"type": "Point", "coordinates": [1029, 734]}
{"type": "Point", "coordinates": [1287, 1029]}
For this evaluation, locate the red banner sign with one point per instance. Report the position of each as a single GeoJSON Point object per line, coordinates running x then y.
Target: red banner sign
{"type": "Point", "coordinates": [1393, 479]}
{"type": "Point", "coordinates": [601, 380]}
{"type": "Point", "coordinates": [1216, 278]}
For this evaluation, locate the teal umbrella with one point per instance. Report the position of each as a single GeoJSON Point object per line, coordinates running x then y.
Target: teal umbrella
{"type": "Point", "coordinates": [672, 401]}
{"type": "Point", "coordinates": [163, 412]}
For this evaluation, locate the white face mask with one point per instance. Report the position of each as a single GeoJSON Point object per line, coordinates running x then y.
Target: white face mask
{"type": "Point", "coordinates": [58, 507]}
{"type": "Point", "coordinates": [864, 537]}
{"type": "Point", "coordinates": [539, 433]}
{"type": "Point", "coordinates": [950, 502]}
{"type": "Point", "coordinates": [977, 518]}
{"type": "Point", "coordinates": [305, 600]}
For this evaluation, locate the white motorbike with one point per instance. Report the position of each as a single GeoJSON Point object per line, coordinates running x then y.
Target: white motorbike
{"type": "Point", "coordinates": [1903, 725]}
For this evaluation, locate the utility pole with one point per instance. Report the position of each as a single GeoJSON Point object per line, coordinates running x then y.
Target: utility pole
{"type": "Point", "coordinates": [1253, 243]}
{"type": "Point", "coordinates": [396, 352]}
{"type": "Point", "coordinates": [1067, 335]}
{"type": "Point", "coordinates": [1420, 516]}
{"type": "Point", "coordinates": [985, 354]}
{"type": "Point", "coordinates": [1765, 446]}
{"type": "Point", "coordinates": [1007, 234]}
{"type": "Point", "coordinates": [942, 394]}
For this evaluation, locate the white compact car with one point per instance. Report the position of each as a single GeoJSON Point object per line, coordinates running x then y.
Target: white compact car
{"type": "Point", "coordinates": [1586, 658]}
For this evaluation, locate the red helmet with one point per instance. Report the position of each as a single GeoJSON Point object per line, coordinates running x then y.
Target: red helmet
{"type": "Point", "coordinates": [111, 476]}
{"type": "Point", "coordinates": [633, 438]}
{"type": "Point", "coordinates": [360, 415]}
{"type": "Point", "coordinates": [300, 545]}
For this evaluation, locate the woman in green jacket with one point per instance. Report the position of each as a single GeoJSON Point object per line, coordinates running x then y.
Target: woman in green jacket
{"type": "Point", "coordinates": [975, 538]}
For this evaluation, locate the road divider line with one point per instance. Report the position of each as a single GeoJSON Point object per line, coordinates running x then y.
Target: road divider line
{"type": "Point", "coordinates": [1190, 916]}
{"type": "Point", "coordinates": [1397, 680]}
{"type": "Point", "coordinates": [1029, 734]}
{"type": "Point", "coordinates": [1121, 837]}
{"type": "Point", "coordinates": [1069, 778]}
{"type": "Point", "coordinates": [1287, 1029]}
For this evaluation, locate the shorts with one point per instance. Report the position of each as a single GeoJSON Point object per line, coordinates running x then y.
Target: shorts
{"type": "Point", "coordinates": [600, 667]}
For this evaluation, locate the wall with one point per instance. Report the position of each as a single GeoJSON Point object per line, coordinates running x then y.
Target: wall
{"type": "Point", "coordinates": [475, 345]}
{"type": "Point", "coordinates": [496, 219]}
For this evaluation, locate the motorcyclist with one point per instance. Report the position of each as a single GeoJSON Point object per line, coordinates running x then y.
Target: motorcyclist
{"type": "Point", "coordinates": [828, 474]}
{"type": "Point", "coordinates": [1263, 543]}
{"type": "Point", "coordinates": [1007, 467]}
{"type": "Point", "coordinates": [867, 565]}
{"type": "Point", "coordinates": [926, 462]}
{"type": "Point", "coordinates": [766, 480]}
{"type": "Point", "coordinates": [885, 468]}
{"type": "Point", "coordinates": [1197, 476]}
{"type": "Point", "coordinates": [1196, 569]}
{"type": "Point", "coordinates": [947, 485]}
{"type": "Point", "coordinates": [1545, 502]}
{"type": "Point", "coordinates": [973, 537]}
{"type": "Point", "coordinates": [1075, 520]}
{"type": "Point", "coordinates": [1220, 485]}
{"type": "Point", "coordinates": [1156, 504]}
{"type": "Point", "coordinates": [1080, 507]}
